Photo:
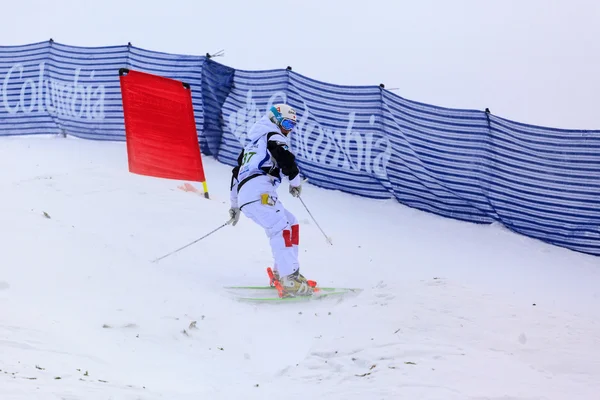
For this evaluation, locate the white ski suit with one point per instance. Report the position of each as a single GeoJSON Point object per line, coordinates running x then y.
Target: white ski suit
{"type": "Point", "coordinates": [254, 185]}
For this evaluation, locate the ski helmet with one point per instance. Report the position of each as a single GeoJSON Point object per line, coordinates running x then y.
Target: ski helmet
{"type": "Point", "coordinates": [283, 116]}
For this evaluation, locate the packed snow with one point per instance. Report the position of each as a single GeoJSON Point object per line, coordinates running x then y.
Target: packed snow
{"type": "Point", "coordinates": [449, 310]}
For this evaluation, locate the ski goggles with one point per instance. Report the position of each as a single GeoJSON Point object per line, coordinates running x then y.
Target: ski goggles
{"type": "Point", "coordinates": [288, 124]}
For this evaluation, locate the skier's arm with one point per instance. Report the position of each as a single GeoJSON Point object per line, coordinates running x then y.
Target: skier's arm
{"type": "Point", "coordinates": [233, 192]}
{"type": "Point", "coordinates": [278, 148]}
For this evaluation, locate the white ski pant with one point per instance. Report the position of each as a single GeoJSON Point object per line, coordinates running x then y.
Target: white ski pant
{"type": "Point", "coordinates": [282, 229]}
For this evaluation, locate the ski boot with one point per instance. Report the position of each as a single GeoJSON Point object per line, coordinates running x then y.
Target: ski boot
{"type": "Point", "coordinates": [275, 281]}
{"type": "Point", "coordinates": [295, 285]}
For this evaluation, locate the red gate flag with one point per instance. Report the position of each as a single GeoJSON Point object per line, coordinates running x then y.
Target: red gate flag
{"type": "Point", "coordinates": [160, 128]}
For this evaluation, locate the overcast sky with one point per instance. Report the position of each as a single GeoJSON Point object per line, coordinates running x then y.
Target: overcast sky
{"type": "Point", "coordinates": [534, 61]}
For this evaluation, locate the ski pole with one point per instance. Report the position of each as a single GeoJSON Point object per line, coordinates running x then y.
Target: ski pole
{"type": "Point", "coordinates": [195, 241]}
{"type": "Point", "coordinates": [327, 238]}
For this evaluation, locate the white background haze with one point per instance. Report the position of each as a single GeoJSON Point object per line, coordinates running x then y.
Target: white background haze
{"type": "Point", "coordinates": [534, 61]}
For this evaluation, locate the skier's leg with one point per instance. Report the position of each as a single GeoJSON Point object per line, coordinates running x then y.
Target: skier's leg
{"type": "Point", "coordinates": [274, 220]}
{"type": "Point", "coordinates": [294, 230]}
{"type": "Point", "coordinates": [282, 230]}
{"type": "Point", "coordinates": [294, 284]}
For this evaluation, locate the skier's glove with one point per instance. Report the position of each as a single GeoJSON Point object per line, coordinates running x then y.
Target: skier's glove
{"type": "Point", "coordinates": [234, 213]}
{"type": "Point", "coordinates": [295, 190]}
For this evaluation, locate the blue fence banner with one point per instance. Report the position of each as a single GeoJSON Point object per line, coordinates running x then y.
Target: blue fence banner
{"type": "Point", "coordinates": [468, 165]}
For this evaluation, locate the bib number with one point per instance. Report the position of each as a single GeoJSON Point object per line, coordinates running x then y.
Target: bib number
{"type": "Point", "coordinates": [247, 157]}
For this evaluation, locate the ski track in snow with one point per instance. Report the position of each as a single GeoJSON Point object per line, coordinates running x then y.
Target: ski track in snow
{"type": "Point", "coordinates": [449, 310]}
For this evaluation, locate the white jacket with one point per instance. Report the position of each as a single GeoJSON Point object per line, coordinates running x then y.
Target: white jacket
{"type": "Point", "coordinates": [261, 163]}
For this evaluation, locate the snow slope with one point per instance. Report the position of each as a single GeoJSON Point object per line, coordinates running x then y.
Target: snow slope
{"type": "Point", "coordinates": [450, 310]}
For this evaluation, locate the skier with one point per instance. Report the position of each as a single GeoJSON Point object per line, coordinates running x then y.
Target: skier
{"type": "Point", "coordinates": [253, 191]}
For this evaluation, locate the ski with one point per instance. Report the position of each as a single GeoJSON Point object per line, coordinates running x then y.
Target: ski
{"type": "Point", "coordinates": [261, 293]}
{"type": "Point", "coordinates": [274, 289]}
{"type": "Point", "coordinates": [270, 294]}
